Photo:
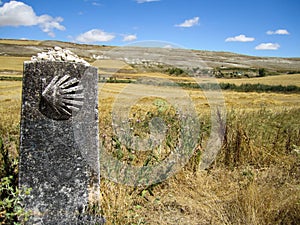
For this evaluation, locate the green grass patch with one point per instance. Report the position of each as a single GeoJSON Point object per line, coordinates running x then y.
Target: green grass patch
{"type": "Point", "coordinates": [8, 78]}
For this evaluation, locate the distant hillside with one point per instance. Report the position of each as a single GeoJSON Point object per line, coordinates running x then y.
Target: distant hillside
{"type": "Point", "coordinates": [157, 58]}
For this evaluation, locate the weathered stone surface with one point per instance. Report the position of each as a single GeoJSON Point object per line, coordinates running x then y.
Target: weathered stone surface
{"type": "Point", "coordinates": [59, 142]}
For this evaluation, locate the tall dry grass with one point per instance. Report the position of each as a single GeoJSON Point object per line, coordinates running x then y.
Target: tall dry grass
{"type": "Point", "coordinates": [254, 180]}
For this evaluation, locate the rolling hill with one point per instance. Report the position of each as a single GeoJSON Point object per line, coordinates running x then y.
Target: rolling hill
{"type": "Point", "coordinates": [150, 58]}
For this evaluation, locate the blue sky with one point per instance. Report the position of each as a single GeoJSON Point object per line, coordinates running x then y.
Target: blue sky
{"type": "Point", "coordinates": [256, 27]}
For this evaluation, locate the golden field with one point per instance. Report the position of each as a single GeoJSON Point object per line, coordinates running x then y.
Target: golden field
{"type": "Point", "coordinates": [19, 42]}
{"type": "Point", "coordinates": [254, 180]}
{"type": "Point", "coordinates": [11, 63]}
{"type": "Point", "coordinates": [290, 79]}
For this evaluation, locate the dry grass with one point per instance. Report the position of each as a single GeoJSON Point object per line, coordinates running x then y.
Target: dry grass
{"type": "Point", "coordinates": [254, 181]}
{"type": "Point", "coordinates": [10, 105]}
{"type": "Point", "coordinates": [286, 79]}
{"type": "Point", "coordinates": [235, 100]}
{"type": "Point", "coordinates": [19, 42]}
{"type": "Point", "coordinates": [244, 196]}
{"type": "Point", "coordinates": [111, 64]}
{"type": "Point", "coordinates": [221, 197]}
{"type": "Point", "coordinates": [12, 63]}
{"type": "Point", "coordinates": [10, 90]}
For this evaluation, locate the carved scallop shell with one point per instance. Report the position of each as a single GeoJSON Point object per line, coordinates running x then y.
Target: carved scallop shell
{"type": "Point", "coordinates": [62, 97]}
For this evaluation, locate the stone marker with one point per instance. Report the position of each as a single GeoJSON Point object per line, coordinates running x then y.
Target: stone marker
{"type": "Point", "coordinates": [59, 157]}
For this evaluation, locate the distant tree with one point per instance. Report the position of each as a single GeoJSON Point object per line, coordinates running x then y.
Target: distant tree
{"type": "Point", "coordinates": [175, 71]}
{"type": "Point", "coordinates": [261, 72]}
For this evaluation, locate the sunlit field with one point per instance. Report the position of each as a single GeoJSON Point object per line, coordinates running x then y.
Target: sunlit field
{"type": "Point", "coordinates": [286, 79]}
{"type": "Point", "coordinates": [253, 180]}
{"type": "Point", "coordinates": [16, 42]}
{"type": "Point", "coordinates": [11, 63]}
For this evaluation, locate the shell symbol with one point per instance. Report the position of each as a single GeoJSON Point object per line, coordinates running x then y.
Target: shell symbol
{"type": "Point", "coordinates": [61, 97]}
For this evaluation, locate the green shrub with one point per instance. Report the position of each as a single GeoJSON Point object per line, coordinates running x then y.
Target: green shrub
{"type": "Point", "coordinates": [175, 71]}
{"type": "Point", "coordinates": [261, 72]}
{"type": "Point", "coordinates": [11, 209]}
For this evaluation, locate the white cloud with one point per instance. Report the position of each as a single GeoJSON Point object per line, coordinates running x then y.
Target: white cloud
{"type": "Point", "coordinates": [144, 1]}
{"type": "Point", "coordinates": [240, 38]}
{"type": "Point", "coordinates": [168, 46]}
{"type": "Point", "coordinates": [279, 31]}
{"type": "Point", "coordinates": [95, 35]}
{"type": "Point", "coordinates": [130, 37]}
{"type": "Point", "coordinates": [267, 46]}
{"type": "Point", "coordinates": [189, 23]}
{"type": "Point", "coordinates": [16, 14]}
{"type": "Point", "coordinates": [48, 24]}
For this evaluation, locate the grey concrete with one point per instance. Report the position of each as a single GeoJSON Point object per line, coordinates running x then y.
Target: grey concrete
{"type": "Point", "coordinates": [59, 157]}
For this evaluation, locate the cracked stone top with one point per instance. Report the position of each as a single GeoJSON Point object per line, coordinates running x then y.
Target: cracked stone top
{"type": "Point", "coordinates": [58, 54]}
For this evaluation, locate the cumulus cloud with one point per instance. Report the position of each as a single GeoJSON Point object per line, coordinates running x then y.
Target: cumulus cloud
{"type": "Point", "coordinates": [240, 38]}
{"type": "Point", "coordinates": [144, 1]}
{"type": "Point", "coordinates": [95, 35]}
{"type": "Point", "coordinates": [16, 14]}
{"type": "Point", "coordinates": [130, 37]}
{"type": "Point", "coordinates": [279, 31]}
{"type": "Point", "coordinates": [48, 24]}
{"type": "Point", "coordinates": [189, 23]}
{"type": "Point", "coordinates": [267, 46]}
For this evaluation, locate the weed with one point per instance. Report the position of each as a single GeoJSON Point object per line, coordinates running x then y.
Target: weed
{"type": "Point", "coordinates": [11, 208]}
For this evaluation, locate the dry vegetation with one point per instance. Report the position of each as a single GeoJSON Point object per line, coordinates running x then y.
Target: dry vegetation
{"type": "Point", "coordinates": [12, 63]}
{"type": "Point", "coordinates": [255, 179]}
{"type": "Point", "coordinates": [19, 42]}
{"type": "Point", "coordinates": [291, 79]}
